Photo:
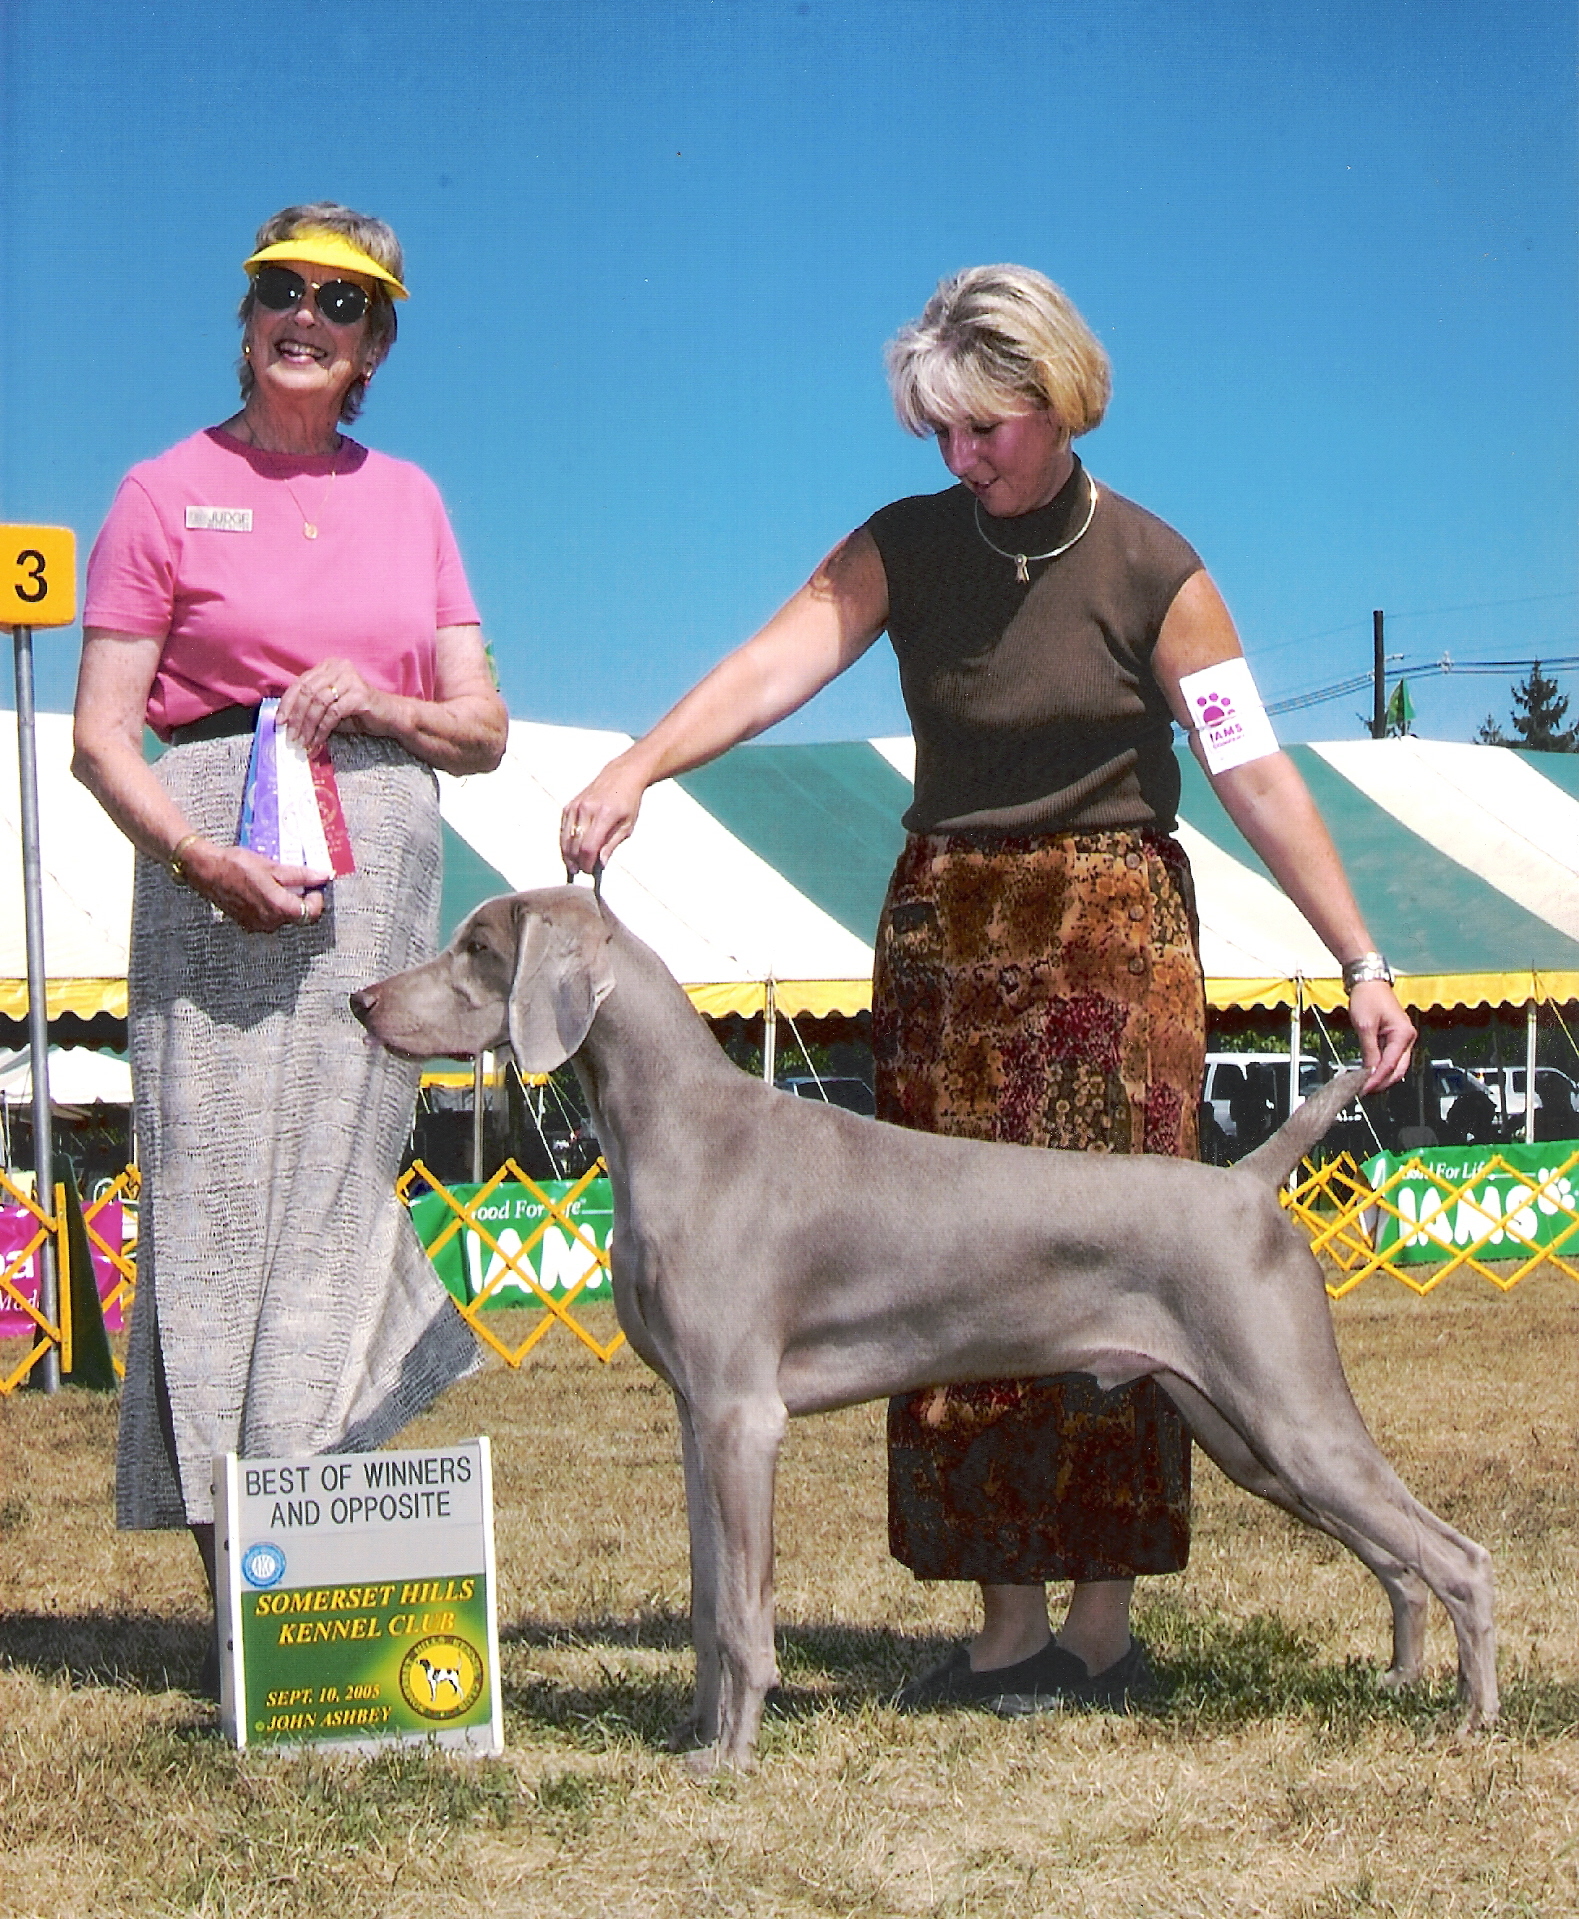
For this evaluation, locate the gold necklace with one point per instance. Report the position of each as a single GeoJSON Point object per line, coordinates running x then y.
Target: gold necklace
{"type": "Point", "coordinates": [1024, 561]}
{"type": "Point", "coordinates": [310, 525]}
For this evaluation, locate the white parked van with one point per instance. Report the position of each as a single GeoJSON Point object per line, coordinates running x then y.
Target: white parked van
{"type": "Point", "coordinates": [1252, 1081]}
{"type": "Point", "coordinates": [1509, 1092]}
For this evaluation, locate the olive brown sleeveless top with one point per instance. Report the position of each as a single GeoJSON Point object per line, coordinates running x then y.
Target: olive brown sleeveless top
{"type": "Point", "coordinates": [1033, 704]}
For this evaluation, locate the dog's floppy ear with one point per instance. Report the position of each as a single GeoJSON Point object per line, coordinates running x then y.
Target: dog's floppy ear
{"type": "Point", "coordinates": [562, 977]}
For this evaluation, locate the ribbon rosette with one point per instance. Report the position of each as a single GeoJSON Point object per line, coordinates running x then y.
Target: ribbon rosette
{"type": "Point", "coordinates": [290, 810]}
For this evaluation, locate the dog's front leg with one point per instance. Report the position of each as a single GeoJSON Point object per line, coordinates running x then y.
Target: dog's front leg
{"type": "Point", "coordinates": [701, 1727]}
{"type": "Point", "coordinates": [738, 1447]}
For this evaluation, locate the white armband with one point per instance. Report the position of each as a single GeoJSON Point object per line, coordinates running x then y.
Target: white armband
{"type": "Point", "coordinates": [1227, 715]}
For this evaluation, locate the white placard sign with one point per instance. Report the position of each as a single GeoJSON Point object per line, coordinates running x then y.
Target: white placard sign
{"type": "Point", "coordinates": [358, 1599]}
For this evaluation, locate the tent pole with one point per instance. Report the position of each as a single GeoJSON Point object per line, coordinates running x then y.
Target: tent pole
{"type": "Point", "coordinates": [477, 1115]}
{"type": "Point", "coordinates": [1529, 1073]}
{"type": "Point", "coordinates": [1295, 1022]}
{"type": "Point", "coordinates": [37, 994]}
{"type": "Point", "coordinates": [770, 1031]}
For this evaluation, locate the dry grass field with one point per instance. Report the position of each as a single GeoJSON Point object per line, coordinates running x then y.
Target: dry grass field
{"type": "Point", "coordinates": [1272, 1778]}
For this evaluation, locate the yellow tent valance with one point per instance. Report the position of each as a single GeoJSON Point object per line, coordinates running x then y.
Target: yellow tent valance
{"type": "Point", "coordinates": [813, 998]}
{"type": "Point", "coordinates": [1419, 992]}
{"type": "Point", "coordinates": [84, 997]}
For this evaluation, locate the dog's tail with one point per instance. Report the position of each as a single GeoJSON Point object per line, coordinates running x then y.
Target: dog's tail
{"type": "Point", "coordinates": [1277, 1157]}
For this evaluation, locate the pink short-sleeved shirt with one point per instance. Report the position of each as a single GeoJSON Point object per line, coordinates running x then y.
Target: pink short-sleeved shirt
{"type": "Point", "coordinates": [204, 549]}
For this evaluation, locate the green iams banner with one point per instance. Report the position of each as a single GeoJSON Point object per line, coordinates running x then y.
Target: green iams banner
{"type": "Point", "coordinates": [359, 1602]}
{"type": "Point", "coordinates": [558, 1260]}
{"type": "Point", "coordinates": [1520, 1196]}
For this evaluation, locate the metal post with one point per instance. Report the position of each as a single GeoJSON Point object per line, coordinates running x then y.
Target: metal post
{"type": "Point", "coordinates": [478, 1083]}
{"type": "Point", "coordinates": [1529, 1073]}
{"type": "Point", "coordinates": [770, 1032]}
{"type": "Point", "coordinates": [1379, 678]}
{"type": "Point", "coordinates": [37, 992]}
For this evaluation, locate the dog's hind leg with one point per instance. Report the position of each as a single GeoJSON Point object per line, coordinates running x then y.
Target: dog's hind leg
{"type": "Point", "coordinates": [1406, 1590]}
{"type": "Point", "coordinates": [1324, 1467]}
{"type": "Point", "coordinates": [737, 1453]}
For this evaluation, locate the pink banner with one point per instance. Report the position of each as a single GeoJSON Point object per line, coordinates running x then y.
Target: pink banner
{"type": "Point", "coordinates": [17, 1227]}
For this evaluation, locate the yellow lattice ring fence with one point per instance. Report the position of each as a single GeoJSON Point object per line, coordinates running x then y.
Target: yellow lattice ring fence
{"type": "Point", "coordinates": [512, 1263]}
{"type": "Point", "coordinates": [127, 1188]}
{"type": "Point", "coordinates": [1345, 1217]}
{"type": "Point", "coordinates": [1342, 1213]}
{"type": "Point", "coordinates": [47, 1335]}
{"type": "Point", "coordinates": [57, 1334]}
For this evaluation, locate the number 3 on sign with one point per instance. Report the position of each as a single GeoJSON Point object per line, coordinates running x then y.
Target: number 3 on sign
{"type": "Point", "coordinates": [38, 575]}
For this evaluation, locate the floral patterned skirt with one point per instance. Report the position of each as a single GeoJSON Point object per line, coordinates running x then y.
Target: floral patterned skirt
{"type": "Point", "coordinates": [1043, 989]}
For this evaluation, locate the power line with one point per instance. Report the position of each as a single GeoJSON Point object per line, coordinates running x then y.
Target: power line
{"type": "Point", "coordinates": [1420, 613]}
{"type": "Point", "coordinates": [1418, 670]}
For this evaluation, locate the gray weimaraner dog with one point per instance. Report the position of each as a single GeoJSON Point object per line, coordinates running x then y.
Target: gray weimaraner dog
{"type": "Point", "coordinates": [773, 1257]}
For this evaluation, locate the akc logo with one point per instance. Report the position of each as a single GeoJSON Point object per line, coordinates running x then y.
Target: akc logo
{"type": "Point", "coordinates": [263, 1565]}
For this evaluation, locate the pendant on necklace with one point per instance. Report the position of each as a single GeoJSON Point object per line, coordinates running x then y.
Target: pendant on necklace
{"type": "Point", "coordinates": [1022, 571]}
{"type": "Point", "coordinates": [309, 531]}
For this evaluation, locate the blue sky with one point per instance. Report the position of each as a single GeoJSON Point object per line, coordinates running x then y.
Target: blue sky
{"type": "Point", "coordinates": [655, 251]}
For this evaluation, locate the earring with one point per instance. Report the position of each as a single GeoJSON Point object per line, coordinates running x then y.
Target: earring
{"type": "Point", "coordinates": [246, 349]}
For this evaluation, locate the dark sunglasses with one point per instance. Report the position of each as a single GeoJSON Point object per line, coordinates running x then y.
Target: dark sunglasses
{"type": "Point", "coordinates": [340, 302]}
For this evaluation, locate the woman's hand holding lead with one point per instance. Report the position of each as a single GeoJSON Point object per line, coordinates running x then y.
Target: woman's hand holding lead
{"type": "Point", "coordinates": [1385, 1032]}
{"type": "Point", "coordinates": [600, 818]}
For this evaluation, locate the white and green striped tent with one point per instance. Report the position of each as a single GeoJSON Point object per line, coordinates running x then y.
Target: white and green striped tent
{"type": "Point", "coordinates": [770, 866]}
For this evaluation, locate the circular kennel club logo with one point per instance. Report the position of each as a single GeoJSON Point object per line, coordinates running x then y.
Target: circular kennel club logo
{"type": "Point", "coordinates": [263, 1565]}
{"type": "Point", "coordinates": [441, 1677]}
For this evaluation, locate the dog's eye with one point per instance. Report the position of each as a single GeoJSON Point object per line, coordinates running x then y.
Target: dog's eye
{"type": "Point", "coordinates": [474, 946]}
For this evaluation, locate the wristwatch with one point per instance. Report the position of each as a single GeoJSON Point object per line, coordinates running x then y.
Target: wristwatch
{"type": "Point", "coordinates": [1367, 967]}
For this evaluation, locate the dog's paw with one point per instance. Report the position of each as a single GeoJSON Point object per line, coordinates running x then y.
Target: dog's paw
{"type": "Point", "coordinates": [705, 1762]}
{"type": "Point", "coordinates": [686, 1736]}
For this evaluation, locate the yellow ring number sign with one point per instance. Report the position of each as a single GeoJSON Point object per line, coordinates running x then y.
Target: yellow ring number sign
{"type": "Point", "coordinates": [38, 575]}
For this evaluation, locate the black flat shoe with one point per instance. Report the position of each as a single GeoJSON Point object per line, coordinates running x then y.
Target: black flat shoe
{"type": "Point", "coordinates": [954, 1683]}
{"type": "Point", "coordinates": [1128, 1680]}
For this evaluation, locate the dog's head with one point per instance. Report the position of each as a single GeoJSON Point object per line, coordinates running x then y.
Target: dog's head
{"type": "Point", "coordinates": [530, 968]}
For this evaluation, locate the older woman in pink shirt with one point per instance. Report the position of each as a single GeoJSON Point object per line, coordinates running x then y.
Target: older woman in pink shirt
{"type": "Point", "coordinates": [284, 1304]}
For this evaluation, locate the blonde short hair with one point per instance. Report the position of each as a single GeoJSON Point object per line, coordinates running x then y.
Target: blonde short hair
{"type": "Point", "coordinates": [377, 239]}
{"type": "Point", "coordinates": [996, 341]}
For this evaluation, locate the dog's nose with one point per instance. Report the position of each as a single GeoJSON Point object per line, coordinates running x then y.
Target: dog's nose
{"type": "Point", "coordinates": [362, 1003]}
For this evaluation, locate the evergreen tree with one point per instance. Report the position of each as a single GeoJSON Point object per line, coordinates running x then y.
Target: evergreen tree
{"type": "Point", "coordinates": [1538, 714]}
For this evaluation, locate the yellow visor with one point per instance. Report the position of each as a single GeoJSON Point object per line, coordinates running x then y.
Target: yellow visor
{"type": "Point", "coordinates": [328, 250]}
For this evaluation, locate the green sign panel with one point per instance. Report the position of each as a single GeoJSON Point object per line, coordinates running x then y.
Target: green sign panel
{"type": "Point", "coordinates": [512, 1213]}
{"type": "Point", "coordinates": [359, 1600]}
{"type": "Point", "coordinates": [1515, 1194]}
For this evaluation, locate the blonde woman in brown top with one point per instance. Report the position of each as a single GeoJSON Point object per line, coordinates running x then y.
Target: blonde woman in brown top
{"type": "Point", "coordinates": [1037, 976]}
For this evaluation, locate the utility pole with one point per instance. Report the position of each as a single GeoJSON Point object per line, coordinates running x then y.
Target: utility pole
{"type": "Point", "coordinates": [1379, 678]}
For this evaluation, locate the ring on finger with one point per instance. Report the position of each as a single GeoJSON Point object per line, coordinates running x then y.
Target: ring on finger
{"type": "Point", "coordinates": [302, 903]}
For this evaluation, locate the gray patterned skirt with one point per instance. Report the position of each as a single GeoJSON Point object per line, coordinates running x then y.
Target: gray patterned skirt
{"type": "Point", "coordinates": [284, 1303]}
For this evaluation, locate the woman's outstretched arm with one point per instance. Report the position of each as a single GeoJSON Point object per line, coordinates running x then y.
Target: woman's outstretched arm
{"type": "Point", "coordinates": [812, 638]}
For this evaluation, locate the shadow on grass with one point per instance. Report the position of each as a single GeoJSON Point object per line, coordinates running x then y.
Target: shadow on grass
{"type": "Point", "coordinates": [143, 1652]}
{"type": "Point", "coordinates": [1212, 1674]}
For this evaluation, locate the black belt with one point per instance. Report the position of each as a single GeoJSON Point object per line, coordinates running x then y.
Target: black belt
{"type": "Point", "coordinates": [223, 725]}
